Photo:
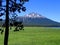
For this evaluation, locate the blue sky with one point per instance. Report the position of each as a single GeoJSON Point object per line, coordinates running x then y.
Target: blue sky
{"type": "Point", "coordinates": [47, 8]}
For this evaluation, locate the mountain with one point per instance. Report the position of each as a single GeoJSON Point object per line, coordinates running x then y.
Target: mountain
{"type": "Point", "coordinates": [35, 19]}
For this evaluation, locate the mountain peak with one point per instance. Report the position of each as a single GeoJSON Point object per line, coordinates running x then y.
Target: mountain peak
{"type": "Point", "coordinates": [33, 15]}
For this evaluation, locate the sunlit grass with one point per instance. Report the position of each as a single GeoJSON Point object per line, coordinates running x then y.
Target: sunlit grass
{"type": "Point", "coordinates": [33, 36]}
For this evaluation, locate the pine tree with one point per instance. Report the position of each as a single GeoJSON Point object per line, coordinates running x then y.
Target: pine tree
{"type": "Point", "coordinates": [10, 6]}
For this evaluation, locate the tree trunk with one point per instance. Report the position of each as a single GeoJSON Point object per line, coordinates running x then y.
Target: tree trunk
{"type": "Point", "coordinates": [7, 24]}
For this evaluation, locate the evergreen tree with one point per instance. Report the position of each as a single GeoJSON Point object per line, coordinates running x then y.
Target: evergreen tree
{"type": "Point", "coordinates": [10, 6]}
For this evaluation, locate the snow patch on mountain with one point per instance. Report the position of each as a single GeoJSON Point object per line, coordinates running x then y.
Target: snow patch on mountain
{"type": "Point", "coordinates": [34, 15]}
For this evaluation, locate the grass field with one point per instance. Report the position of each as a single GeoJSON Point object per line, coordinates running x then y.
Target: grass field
{"type": "Point", "coordinates": [33, 36]}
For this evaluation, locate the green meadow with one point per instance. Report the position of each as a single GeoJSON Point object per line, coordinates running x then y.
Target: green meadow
{"type": "Point", "coordinates": [33, 36]}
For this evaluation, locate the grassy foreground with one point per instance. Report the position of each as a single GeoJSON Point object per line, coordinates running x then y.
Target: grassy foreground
{"type": "Point", "coordinates": [33, 36]}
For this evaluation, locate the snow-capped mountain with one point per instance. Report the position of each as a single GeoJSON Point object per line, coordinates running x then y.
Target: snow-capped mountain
{"type": "Point", "coordinates": [35, 19]}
